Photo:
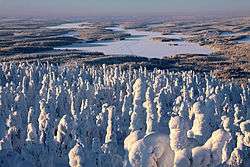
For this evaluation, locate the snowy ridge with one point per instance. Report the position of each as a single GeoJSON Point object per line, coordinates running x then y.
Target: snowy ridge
{"type": "Point", "coordinates": [100, 116]}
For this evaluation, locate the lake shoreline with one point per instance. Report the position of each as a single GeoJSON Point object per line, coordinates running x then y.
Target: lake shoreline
{"type": "Point", "coordinates": [140, 43]}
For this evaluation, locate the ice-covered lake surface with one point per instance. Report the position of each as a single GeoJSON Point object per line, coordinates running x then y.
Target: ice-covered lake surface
{"type": "Point", "coordinates": [226, 33]}
{"type": "Point", "coordinates": [244, 40]}
{"type": "Point", "coordinates": [140, 44]}
{"type": "Point", "coordinates": [72, 26]}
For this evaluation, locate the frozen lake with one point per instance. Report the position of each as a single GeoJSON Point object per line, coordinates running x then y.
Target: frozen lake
{"type": "Point", "coordinates": [244, 40]}
{"type": "Point", "coordinates": [140, 43]}
{"type": "Point", "coordinates": [72, 26]}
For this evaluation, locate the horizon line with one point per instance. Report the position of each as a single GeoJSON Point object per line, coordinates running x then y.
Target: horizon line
{"type": "Point", "coordinates": [139, 14]}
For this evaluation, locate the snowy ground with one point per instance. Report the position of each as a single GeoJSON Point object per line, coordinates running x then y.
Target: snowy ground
{"type": "Point", "coordinates": [108, 117]}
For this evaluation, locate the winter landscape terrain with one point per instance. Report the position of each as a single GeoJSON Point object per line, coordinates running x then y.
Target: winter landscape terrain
{"type": "Point", "coordinates": [108, 116]}
{"type": "Point", "coordinates": [140, 90]}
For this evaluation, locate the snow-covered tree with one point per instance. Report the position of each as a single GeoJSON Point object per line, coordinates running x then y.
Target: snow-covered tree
{"type": "Point", "coordinates": [149, 105]}
{"type": "Point", "coordinates": [55, 115]}
{"type": "Point", "coordinates": [77, 156]}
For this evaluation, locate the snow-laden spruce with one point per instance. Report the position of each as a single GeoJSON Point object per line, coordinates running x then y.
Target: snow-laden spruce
{"type": "Point", "coordinates": [106, 116]}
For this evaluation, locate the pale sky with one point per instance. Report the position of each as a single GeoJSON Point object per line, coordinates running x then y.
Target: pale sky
{"type": "Point", "coordinates": [117, 7]}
